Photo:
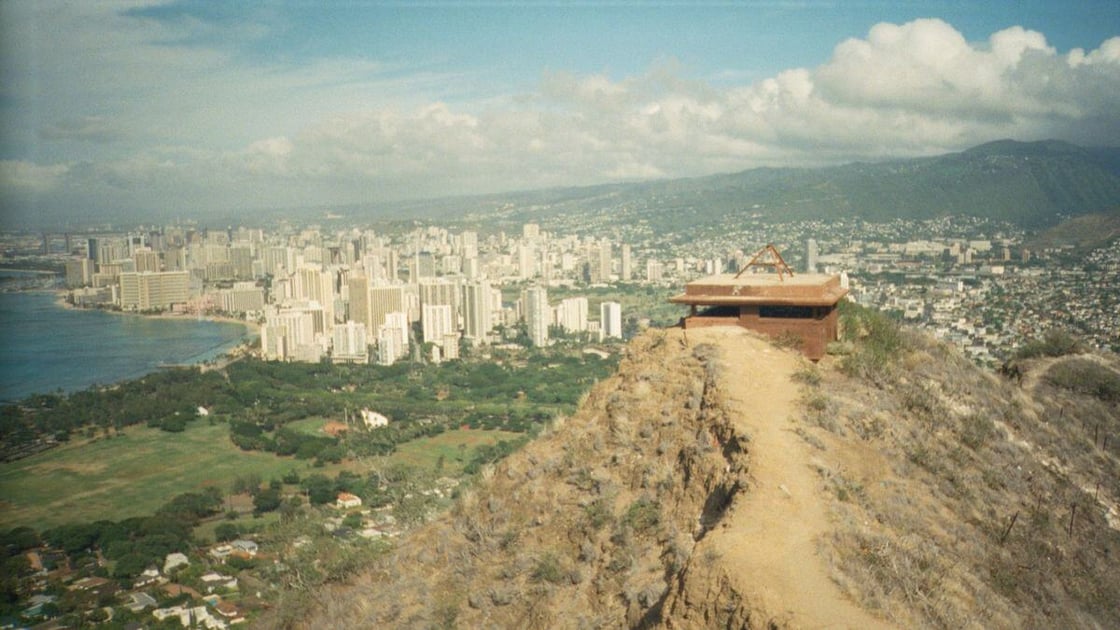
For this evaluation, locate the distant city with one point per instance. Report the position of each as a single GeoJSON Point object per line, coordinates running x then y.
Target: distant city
{"type": "Point", "coordinates": [426, 292]}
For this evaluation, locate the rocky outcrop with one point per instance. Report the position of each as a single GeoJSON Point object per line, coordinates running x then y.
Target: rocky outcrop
{"type": "Point", "coordinates": [593, 525]}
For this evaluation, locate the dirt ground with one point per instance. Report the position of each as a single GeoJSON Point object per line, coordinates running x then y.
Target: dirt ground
{"type": "Point", "coordinates": [768, 540]}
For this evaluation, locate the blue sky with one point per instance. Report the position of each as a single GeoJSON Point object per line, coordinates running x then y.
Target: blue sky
{"type": "Point", "coordinates": [191, 106]}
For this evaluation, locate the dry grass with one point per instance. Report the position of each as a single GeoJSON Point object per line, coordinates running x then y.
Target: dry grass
{"type": "Point", "coordinates": [585, 526]}
{"type": "Point", "coordinates": [983, 508]}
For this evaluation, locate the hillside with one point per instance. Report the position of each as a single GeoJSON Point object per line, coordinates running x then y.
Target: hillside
{"type": "Point", "coordinates": [1032, 184]}
{"type": "Point", "coordinates": [717, 481]}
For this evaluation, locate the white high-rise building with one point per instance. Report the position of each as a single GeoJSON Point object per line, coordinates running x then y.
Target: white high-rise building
{"type": "Point", "coordinates": [153, 290]}
{"type": "Point", "coordinates": [310, 282]}
{"type": "Point", "coordinates": [811, 254]}
{"type": "Point", "coordinates": [244, 297]}
{"type": "Point", "coordinates": [384, 299]}
{"type": "Point", "coordinates": [274, 342]}
{"type": "Point", "coordinates": [538, 315]}
{"type": "Point", "coordinates": [435, 321]}
{"type": "Point", "coordinates": [350, 343]}
{"type": "Point", "coordinates": [390, 346]}
{"type": "Point", "coordinates": [399, 321]}
{"type": "Point", "coordinates": [627, 270]}
{"type": "Point", "coordinates": [610, 320]}
{"type": "Point", "coordinates": [477, 320]}
{"type": "Point", "coordinates": [571, 314]}
{"type": "Point", "coordinates": [440, 291]}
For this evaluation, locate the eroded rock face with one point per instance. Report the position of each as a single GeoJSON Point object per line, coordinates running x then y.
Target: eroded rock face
{"type": "Point", "coordinates": [591, 526]}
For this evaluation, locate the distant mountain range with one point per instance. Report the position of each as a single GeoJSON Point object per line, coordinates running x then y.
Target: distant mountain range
{"type": "Point", "coordinates": [1032, 184]}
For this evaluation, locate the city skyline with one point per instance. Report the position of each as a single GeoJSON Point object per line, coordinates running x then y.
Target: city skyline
{"type": "Point", "coordinates": [192, 107]}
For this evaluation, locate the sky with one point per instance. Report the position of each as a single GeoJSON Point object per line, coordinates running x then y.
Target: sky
{"type": "Point", "coordinates": [184, 108]}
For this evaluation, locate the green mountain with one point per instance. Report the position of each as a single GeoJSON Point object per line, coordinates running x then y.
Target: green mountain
{"type": "Point", "coordinates": [1033, 184]}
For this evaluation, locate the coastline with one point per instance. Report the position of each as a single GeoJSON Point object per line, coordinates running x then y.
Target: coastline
{"type": "Point", "coordinates": [236, 352]}
{"type": "Point", "coordinates": [253, 327]}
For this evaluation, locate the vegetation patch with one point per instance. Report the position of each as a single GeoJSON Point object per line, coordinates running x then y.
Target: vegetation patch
{"type": "Point", "coordinates": [1086, 376]}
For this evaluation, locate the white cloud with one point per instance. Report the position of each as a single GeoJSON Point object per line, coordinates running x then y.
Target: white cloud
{"type": "Point", "coordinates": [191, 127]}
{"type": "Point", "coordinates": [28, 178]}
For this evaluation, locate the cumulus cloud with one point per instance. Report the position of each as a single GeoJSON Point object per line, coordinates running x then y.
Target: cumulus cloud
{"type": "Point", "coordinates": [27, 178]}
{"type": "Point", "coordinates": [913, 89]}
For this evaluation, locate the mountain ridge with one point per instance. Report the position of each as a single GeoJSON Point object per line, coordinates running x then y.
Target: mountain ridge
{"type": "Point", "coordinates": [1032, 184]}
{"type": "Point", "coordinates": [946, 493]}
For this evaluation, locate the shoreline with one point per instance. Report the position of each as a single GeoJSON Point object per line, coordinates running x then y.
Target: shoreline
{"type": "Point", "coordinates": [62, 302]}
{"type": "Point", "coordinates": [235, 352]}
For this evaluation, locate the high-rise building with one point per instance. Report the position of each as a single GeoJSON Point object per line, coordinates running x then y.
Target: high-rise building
{"type": "Point", "coordinates": [602, 262]}
{"type": "Point", "coordinates": [311, 282]}
{"type": "Point", "coordinates": [450, 346]}
{"type": "Point", "coordinates": [244, 297]}
{"type": "Point", "coordinates": [241, 258]}
{"type": "Point", "coordinates": [398, 321]}
{"type": "Point", "coordinates": [811, 254]}
{"type": "Point", "coordinates": [627, 270]}
{"type": "Point", "coordinates": [571, 314]}
{"type": "Point", "coordinates": [440, 291]}
{"type": "Point", "coordinates": [435, 322]}
{"type": "Point", "coordinates": [538, 315]}
{"type": "Point", "coordinates": [274, 342]}
{"type": "Point", "coordinates": [357, 287]}
{"type": "Point", "coordinates": [390, 345]}
{"type": "Point", "coordinates": [79, 272]}
{"type": "Point", "coordinates": [526, 261]}
{"type": "Point", "coordinates": [477, 321]}
{"type": "Point", "coordinates": [349, 343]}
{"type": "Point", "coordinates": [610, 320]}
{"type": "Point", "coordinates": [153, 290]}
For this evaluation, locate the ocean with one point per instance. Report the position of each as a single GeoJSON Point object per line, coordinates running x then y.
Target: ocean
{"type": "Point", "coordinates": [45, 347]}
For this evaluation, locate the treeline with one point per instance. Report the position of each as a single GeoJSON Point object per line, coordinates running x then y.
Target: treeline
{"type": "Point", "coordinates": [168, 399]}
{"type": "Point", "coordinates": [260, 398]}
{"type": "Point", "coordinates": [130, 545]}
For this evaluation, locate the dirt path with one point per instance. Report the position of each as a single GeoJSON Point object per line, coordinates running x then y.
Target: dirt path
{"type": "Point", "coordinates": [770, 539]}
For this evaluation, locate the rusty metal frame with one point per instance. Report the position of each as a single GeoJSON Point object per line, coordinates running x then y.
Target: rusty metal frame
{"type": "Point", "coordinates": [768, 257]}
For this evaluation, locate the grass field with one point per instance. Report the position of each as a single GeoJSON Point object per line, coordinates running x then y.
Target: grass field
{"type": "Point", "coordinates": [128, 475]}
{"type": "Point", "coordinates": [455, 446]}
{"type": "Point", "coordinates": [309, 426]}
{"type": "Point", "coordinates": [134, 473]}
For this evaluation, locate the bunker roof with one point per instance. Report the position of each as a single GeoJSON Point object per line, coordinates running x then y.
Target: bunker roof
{"type": "Point", "coordinates": [805, 289]}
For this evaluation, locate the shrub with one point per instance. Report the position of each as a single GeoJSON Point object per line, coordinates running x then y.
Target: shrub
{"type": "Point", "coordinates": [548, 569]}
{"type": "Point", "coordinates": [808, 375]}
{"type": "Point", "coordinates": [1056, 342]}
{"type": "Point", "coordinates": [226, 531]}
{"type": "Point", "coordinates": [976, 430]}
{"type": "Point", "coordinates": [1085, 376]}
{"type": "Point", "coordinates": [642, 515]}
{"type": "Point", "coordinates": [877, 341]}
{"type": "Point", "coordinates": [598, 513]}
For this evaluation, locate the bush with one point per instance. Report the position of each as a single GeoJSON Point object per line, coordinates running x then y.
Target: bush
{"type": "Point", "coordinates": [548, 569]}
{"type": "Point", "coordinates": [1086, 376]}
{"type": "Point", "coordinates": [877, 341]}
{"type": "Point", "coordinates": [1056, 342]}
{"type": "Point", "coordinates": [598, 513]}
{"type": "Point", "coordinates": [976, 430]}
{"type": "Point", "coordinates": [226, 531]}
{"type": "Point", "coordinates": [642, 515]}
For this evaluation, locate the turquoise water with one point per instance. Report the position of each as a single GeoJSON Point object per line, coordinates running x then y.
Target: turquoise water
{"type": "Point", "coordinates": [44, 347]}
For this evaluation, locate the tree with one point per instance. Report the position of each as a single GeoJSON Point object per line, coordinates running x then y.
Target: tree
{"type": "Point", "coordinates": [266, 500]}
{"type": "Point", "coordinates": [226, 531]}
{"type": "Point", "coordinates": [320, 489]}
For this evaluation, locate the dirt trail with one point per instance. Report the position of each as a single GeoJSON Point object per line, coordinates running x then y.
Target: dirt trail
{"type": "Point", "coordinates": [768, 541]}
